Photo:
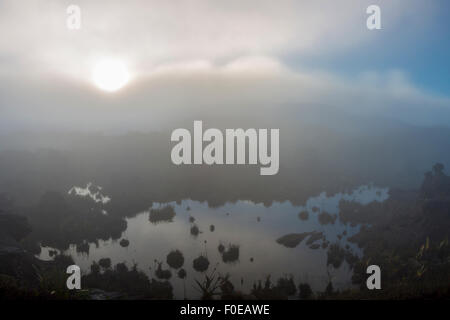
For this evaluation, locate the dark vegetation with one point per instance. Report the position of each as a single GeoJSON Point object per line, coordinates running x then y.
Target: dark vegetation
{"type": "Point", "coordinates": [134, 284]}
{"type": "Point", "coordinates": [124, 243]}
{"type": "Point", "coordinates": [407, 236]}
{"type": "Point", "coordinates": [58, 221]}
{"type": "Point", "coordinates": [161, 273]}
{"type": "Point", "coordinates": [336, 255]}
{"type": "Point", "coordinates": [214, 285]}
{"type": "Point", "coordinates": [305, 291]}
{"type": "Point", "coordinates": [230, 254]}
{"type": "Point", "coordinates": [105, 263]}
{"type": "Point", "coordinates": [181, 273]}
{"type": "Point", "coordinates": [294, 239]}
{"type": "Point", "coordinates": [200, 264]}
{"type": "Point", "coordinates": [195, 230]}
{"type": "Point", "coordinates": [175, 259]}
{"type": "Point", "coordinates": [163, 214]}
{"type": "Point", "coordinates": [22, 276]}
{"type": "Point", "coordinates": [284, 288]}
{"type": "Point", "coordinates": [303, 215]}
{"type": "Point", "coordinates": [81, 247]}
{"type": "Point", "coordinates": [326, 218]}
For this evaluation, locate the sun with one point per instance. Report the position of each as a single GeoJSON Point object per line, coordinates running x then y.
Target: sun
{"type": "Point", "coordinates": [110, 75]}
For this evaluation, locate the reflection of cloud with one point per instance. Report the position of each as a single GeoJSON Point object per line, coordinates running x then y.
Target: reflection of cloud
{"type": "Point", "coordinates": [91, 191]}
{"type": "Point", "coordinates": [255, 240]}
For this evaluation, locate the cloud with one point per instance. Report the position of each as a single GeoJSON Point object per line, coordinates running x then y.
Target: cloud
{"type": "Point", "coordinates": [216, 59]}
{"type": "Point", "coordinates": [33, 34]}
{"type": "Point", "coordinates": [251, 89]}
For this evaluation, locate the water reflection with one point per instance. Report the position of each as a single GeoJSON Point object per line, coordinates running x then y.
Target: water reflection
{"type": "Point", "coordinates": [238, 238]}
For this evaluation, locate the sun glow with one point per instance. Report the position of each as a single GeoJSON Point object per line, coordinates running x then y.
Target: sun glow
{"type": "Point", "coordinates": [110, 75]}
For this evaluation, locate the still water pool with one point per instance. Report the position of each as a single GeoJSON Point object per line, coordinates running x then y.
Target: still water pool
{"type": "Point", "coordinates": [252, 227]}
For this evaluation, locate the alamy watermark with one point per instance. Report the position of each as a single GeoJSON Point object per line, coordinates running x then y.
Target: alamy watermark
{"type": "Point", "coordinates": [74, 280]}
{"type": "Point", "coordinates": [241, 147]}
{"type": "Point", "coordinates": [73, 21]}
{"type": "Point", "coordinates": [373, 22]}
{"type": "Point", "coordinates": [374, 280]}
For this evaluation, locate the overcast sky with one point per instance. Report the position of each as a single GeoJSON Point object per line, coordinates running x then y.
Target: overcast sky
{"type": "Point", "coordinates": [221, 58]}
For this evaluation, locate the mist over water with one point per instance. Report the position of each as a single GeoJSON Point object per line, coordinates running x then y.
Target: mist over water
{"type": "Point", "coordinates": [254, 228]}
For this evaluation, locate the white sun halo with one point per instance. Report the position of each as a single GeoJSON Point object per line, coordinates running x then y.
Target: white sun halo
{"type": "Point", "coordinates": [110, 75]}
